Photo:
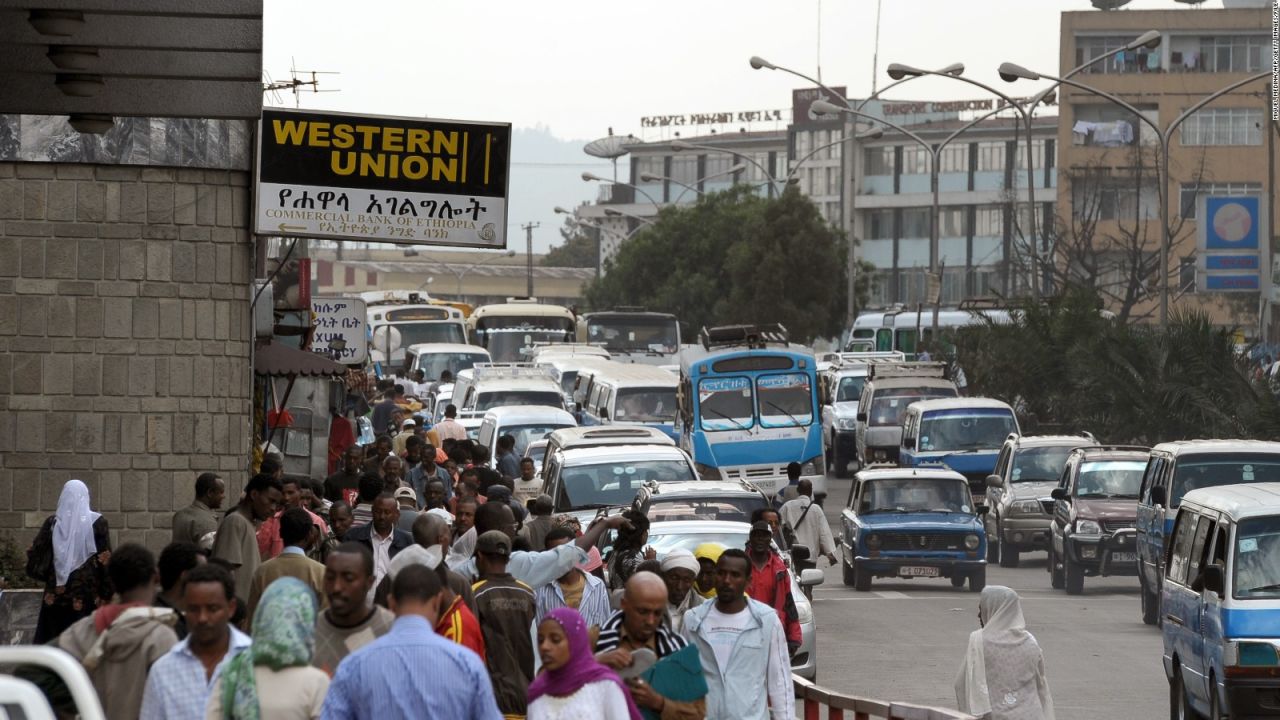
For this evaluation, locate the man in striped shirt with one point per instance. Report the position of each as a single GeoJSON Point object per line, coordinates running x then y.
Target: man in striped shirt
{"type": "Point", "coordinates": [581, 591]}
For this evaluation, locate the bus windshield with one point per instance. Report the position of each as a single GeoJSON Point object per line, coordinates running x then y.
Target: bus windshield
{"type": "Point", "coordinates": [786, 400]}
{"type": "Point", "coordinates": [635, 334]}
{"type": "Point", "coordinates": [1202, 471]}
{"type": "Point", "coordinates": [646, 405]}
{"type": "Point", "coordinates": [1110, 479]}
{"type": "Point", "coordinates": [506, 344]}
{"type": "Point", "coordinates": [433, 365]}
{"type": "Point", "coordinates": [1257, 561]}
{"type": "Point", "coordinates": [725, 403]}
{"type": "Point", "coordinates": [428, 332]}
{"type": "Point", "coordinates": [889, 406]}
{"type": "Point", "coordinates": [975, 429]}
{"type": "Point", "coordinates": [503, 398]}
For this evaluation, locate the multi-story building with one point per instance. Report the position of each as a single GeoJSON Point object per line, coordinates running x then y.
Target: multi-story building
{"type": "Point", "coordinates": [1110, 230]}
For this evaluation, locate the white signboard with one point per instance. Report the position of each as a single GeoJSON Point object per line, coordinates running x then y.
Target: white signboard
{"type": "Point", "coordinates": [341, 329]}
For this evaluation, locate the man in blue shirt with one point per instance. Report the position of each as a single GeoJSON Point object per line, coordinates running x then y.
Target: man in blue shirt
{"type": "Point", "coordinates": [370, 683]}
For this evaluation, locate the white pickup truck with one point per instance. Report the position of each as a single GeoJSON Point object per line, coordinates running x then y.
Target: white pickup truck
{"type": "Point", "coordinates": [22, 699]}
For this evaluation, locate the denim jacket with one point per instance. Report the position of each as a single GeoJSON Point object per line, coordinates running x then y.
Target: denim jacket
{"type": "Point", "coordinates": [738, 691]}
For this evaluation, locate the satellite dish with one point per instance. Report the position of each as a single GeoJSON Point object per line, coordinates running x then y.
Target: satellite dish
{"type": "Point", "coordinates": [1109, 4]}
{"type": "Point", "coordinates": [610, 147]}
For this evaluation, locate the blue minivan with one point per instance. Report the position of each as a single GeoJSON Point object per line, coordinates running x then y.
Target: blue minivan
{"type": "Point", "coordinates": [1220, 603]}
{"type": "Point", "coordinates": [965, 434]}
{"type": "Point", "coordinates": [1176, 468]}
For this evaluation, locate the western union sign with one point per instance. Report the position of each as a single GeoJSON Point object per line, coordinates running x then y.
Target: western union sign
{"type": "Point", "coordinates": [382, 179]}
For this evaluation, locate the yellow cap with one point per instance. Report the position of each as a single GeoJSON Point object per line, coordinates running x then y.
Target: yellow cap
{"type": "Point", "coordinates": [709, 551]}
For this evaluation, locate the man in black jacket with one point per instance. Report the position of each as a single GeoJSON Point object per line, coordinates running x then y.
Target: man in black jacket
{"type": "Point", "coordinates": [381, 536]}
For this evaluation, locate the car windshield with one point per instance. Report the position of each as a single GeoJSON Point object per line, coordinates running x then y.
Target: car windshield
{"type": "Point", "coordinates": [646, 405]}
{"type": "Point", "coordinates": [725, 403]}
{"type": "Point", "coordinates": [429, 332]}
{"type": "Point", "coordinates": [665, 543]}
{"type": "Point", "coordinates": [508, 345]}
{"type": "Point", "coordinates": [736, 509]}
{"type": "Point", "coordinates": [915, 494]}
{"type": "Point", "coordinates": [850, 388]}
{"type": "Point", "coordinates": [503, 398]}
{"type": "Point", "coordinates": [786, 400]}
{"type": "Point", "coordinates": [965, 429]}
{"type": "Point", "coordinates": [525, 434]}
{"type": "Point", "coordinates": [889, 406]}
{"type": "Point", "coordinates": [1039, 464]}
{"type": "Point", "coordinates": [610, 484]}
{"type": "Point", "coordinates": [1205, 470]}
{"type": "Point", "coordinates": [433, 365]}
{"type": "Point", "coordinates": [1110, 479]}
{"type": "Point", "coordinates": [1256, 572]}
{"type": "Point", "coordinates": [658, 335]}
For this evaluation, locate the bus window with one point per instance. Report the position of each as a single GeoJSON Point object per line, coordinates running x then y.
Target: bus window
{"type": "Point", "coordinates": [906, 341]}
{"type": "Point", "coordinates": [884, 340]}
{"type": "Point", "coordinates": [725, 403]}
{"type": "Point", "coordinates": [785, 400]}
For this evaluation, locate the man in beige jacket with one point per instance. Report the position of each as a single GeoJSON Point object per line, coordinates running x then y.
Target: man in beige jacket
{"type": "Point", "coordinates": [296, 533]}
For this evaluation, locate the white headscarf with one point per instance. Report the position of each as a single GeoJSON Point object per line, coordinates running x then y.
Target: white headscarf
{"type": "Point", "coordinates": [1003, 670]}
{"type": "Point", "coordinates": [462, 549]}
{"type": "Point", "coordinates": [73, 541]}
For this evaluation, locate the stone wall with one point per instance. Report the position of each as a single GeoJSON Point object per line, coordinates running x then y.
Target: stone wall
{"type": "Point", "coordinates": [124, 340]}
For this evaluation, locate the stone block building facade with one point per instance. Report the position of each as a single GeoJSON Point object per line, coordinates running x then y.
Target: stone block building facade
{"type": "Point", "coordinates": [125, 340]}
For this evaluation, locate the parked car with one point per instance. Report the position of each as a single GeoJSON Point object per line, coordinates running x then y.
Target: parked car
{"type": "Point", "coordinates": [1018, 493]}
{"type": "Point", "coordinates": [688, 535]}
{"type": "Point", "coordinates": [1176, 468]}
{"type": "Point", "coordinates": [700, 500]}
{"type": "Point", "coordinates": [1095, 515]}
{"type": "Point", "coordinates": [965, 434]}
{"type": "Point", "coordinates": [889, 389]}
{"type": "Point", "coordinates": [1220, 602]}
{"type": "Point", "coordinates": [912, 523]}
{"type": "Point", "coordinates": [841, 383]}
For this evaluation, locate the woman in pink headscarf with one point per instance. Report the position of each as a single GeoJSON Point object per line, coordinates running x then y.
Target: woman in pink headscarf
{"type": "Point", "coordinates": [572, 685]}
{"type": "Point", "coordinates": [70, 555]}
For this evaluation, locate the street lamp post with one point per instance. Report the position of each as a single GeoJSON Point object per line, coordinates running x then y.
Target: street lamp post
{"type": "Point", "coordinates": [622, 237]}
{"type": "Point", "coordinates": [592, 177]}
{"type": "Point", "coordinates": [1011, 72]}
{"type": "Point", "coordinates": [462, 273]}
{"type": "Point", "coordinates": [650, 177]}
{"type": "Point", "coordinates": [679, 145]}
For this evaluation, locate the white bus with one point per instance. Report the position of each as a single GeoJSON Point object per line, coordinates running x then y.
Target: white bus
{"type": "Point", "coordinates": [400, 318]}
{"type": "Point", "coordinates": [508, 329]}
{"type": "Point", "coordinates": [900, 329]}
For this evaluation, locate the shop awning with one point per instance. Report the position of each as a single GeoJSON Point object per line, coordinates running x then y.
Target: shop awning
{"type": "Point", "coordinates": [275, 359]}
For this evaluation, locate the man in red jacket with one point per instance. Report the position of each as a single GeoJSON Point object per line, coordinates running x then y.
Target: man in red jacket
{"type": "Point", "coordinates": [771, 582]}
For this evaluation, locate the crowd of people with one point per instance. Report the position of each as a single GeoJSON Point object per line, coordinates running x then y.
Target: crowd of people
{"type": "Point", "coordinates": [413, 584]}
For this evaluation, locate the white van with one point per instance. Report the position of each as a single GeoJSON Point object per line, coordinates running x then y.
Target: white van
{"type": "Point", "coordinates": [631, 394]}
{"type": "Point", "coordinates": [525, 423]}
{"type": "Point", "coordinates": [490, 385]}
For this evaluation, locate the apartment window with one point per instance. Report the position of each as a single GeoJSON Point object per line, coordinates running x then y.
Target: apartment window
{"type": "Point", "coordinates": [880, 282]}
{"type": "Point", "coordinates": [915, 160]}
{"type": "Point", "coordinates": [951, 222]}
{"type": "Point", "coordinates": [954, 159]}
{"type": "Point", "coordinates": [879, 160]}
{"type": "Point", "coordinates": [717, 165]}
{"type": "Point", "coordinates": [1113, 202]}
{"type": "Point", "coordinates": [804, 143]}
{"type": "Point", "coordinates": [953, 282]}
{"type": "Point", "coordinates": [1091, 48]}
{"type": "Point", "coordinates": [1187, 274]}
{"type": "Point", "coordinates": [833, 181]}
{"type": "Point", "coordinates": [991, 156]}
{"type": "Point", "coordinates": [988, 221]}
{"type": "Point", "coordinates": [1107, 125]}
{"type": "Point", "coordinates": [652, 164]}
{"type": "Point", "coordinates": [915, 223]}
{"type": "Point", "coordinates": [1037, 154]}
{"type": "Point", "coordinates": [1233, 53]}
{"type": "Point", "coordinates": [1224, 126]}
{"type": "Point", "coordinates": [684, 168]}
{"type": "Point", "coordinates": [755, 174]}
{"type": "Point", "coordinates": [880, 225]}
{"type": "Point", "coordinates": [1190, 191]}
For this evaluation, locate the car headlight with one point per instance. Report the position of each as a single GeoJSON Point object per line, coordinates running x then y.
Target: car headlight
{"type": "Point", "coordinates": [1026, 507]}
{"type": "Point", "coordinates": [814, 466]}
{"type": "Point", "coordinates": [706, 472]}
{"type": "Point", "coordinates": [803, 609]}
{"type": "Point", "coordinates": [972, 542]}
{"type": "Point", "coordinates": [846, 423]}
{"type": "Point", "coordinates": [873, 542]}
{"type": "Point", "coordinates": [1088, 527]}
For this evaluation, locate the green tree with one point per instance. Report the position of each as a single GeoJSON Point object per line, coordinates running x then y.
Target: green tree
{"type": "Point", "coordinates": [734, 257]}
{"type": "Point", "coordinates": [578, 249]}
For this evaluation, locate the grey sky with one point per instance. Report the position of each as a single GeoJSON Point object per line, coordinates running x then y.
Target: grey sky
{"type": "Point", "coordinates": [578, 67]}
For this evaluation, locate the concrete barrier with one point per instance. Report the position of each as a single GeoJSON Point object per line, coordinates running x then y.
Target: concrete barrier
{"type": "Point", "coordinates": [814, 699]}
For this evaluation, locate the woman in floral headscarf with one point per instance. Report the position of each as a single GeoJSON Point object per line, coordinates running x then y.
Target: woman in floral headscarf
{"type": "Point", "coordinates": [279, 659]}
{"type": "Point", "coordinates": [70, 555]}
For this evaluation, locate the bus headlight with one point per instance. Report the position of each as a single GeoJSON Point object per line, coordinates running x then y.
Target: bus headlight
{"type": "Point", "coordinates": [814, 466]}
{"type": "Point", "coordinates": [972, 541]}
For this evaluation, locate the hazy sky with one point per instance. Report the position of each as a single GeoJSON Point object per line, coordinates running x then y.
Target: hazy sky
{"type": "Point", "coordinates": [579, 67]}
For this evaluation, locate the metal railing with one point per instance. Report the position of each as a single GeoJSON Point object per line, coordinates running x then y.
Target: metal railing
{"type": "Point", "coordinates": [813, 699]}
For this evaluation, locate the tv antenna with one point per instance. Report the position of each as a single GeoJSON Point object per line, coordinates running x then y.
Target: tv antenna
{"type": "Point", "coordinates": [299, 81]}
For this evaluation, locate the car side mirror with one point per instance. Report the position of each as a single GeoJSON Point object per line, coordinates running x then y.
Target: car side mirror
{"type": "Point", "coordinates": [800, 553]}
{"type": "Point", "coordinates": [995, 481]}
{"type": "Point", "coordinates": [1158, 496]}
{"type": "Point", "coordinates": [1211, 578]}
{"type": "Point", "coordinates": [1058, 493]}
{"type": "Point", "coordinates": [811, 577]}
{"type": "Point", "coordinates": [862, 417]}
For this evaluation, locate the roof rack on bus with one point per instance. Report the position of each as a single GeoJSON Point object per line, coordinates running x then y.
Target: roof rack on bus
{"type": "Point", "coordinates": [481, 371]}
{"type": "Point", "coordinates": [907, 369]}
{"type": "Point", "coordinates": [752, 336]}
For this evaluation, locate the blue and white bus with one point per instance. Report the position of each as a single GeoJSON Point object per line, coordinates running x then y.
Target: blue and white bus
{"type": "Point", "coordinates": [749, 406]}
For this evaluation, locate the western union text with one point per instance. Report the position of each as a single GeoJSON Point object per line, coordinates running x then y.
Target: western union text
{"type": "Point", "coordinates": [377, 151]}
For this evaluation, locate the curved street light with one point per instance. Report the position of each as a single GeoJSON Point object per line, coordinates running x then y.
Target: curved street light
{"type": "Point", "coordinates": [443, 264]}
{"type": "Point", "coordinates": [650, 177]}
{"type": "Point", "coordinates": [592, 177]}
{"type": "Point", "coordinates": [680, 145]}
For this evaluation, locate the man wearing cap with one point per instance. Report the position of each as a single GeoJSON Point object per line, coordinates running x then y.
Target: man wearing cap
{"type": "Point", "coordinates": [198, 521]}
{"type": "Point", "coordinates": [539, 523]}
{"type": "Point", "coordinates": [407, 429]}
{"type": "Point", "coordinates": [770, 581]}
{"type": "Point", "coordinates": [407, 499]}
{"type": "Point", "coordinates": [506, 609]}
{"type": "Point", "coordinates": [576, 589]}
{"type": "Point", "coordinates": [707, 555]}
{"type": "Point", "coordinates": [679, 570]}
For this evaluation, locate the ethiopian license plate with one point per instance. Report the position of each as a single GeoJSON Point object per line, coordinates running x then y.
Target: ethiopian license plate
{"type": "Point", "coordinates": [914, 571]}
{"type": "Point", "coordinates": [1124, 557]}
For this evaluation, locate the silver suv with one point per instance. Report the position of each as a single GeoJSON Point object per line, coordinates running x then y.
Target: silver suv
{"type": "Point", "coordinates": [1018, 493]}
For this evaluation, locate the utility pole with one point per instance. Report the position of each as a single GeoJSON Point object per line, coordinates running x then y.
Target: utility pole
{"type": "Point", "coordinates": [528, 236]}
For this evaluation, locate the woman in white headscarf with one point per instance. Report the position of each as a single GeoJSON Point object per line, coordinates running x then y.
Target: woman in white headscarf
{"type": "Point", "coordinates": [1002, 677]}
{"type": "Point", "coordinates": [70, 555]}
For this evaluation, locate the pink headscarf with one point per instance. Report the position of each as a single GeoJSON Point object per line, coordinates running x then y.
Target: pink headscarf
{"type": "Point", "coordinates": [581, 668]}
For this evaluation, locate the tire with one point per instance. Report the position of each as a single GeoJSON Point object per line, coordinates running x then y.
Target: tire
{"type": "Point", "coordinates": [847, 573]}
{"type": "Point", "coordinates": [1056, 579]}
{"type": "Point", "coordinates": [978, 580]}
{"type": "Point", "coordinates": [861, 580]}
{"type": "Point", "coordinates": [957, 580]}
{"type": "Point", "coordinates": [1215, 705]}
{"type": "Point", "coordinates": [839, 462]}
{"type": "Point", "coordinates": [1075, 577]}
{"type": "Point", "coordinates": [1008, 556]}
{"type": "Point", "coordinates": [1150, 602]}
{"type": "Point", "coordinates": [1179, 704]}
